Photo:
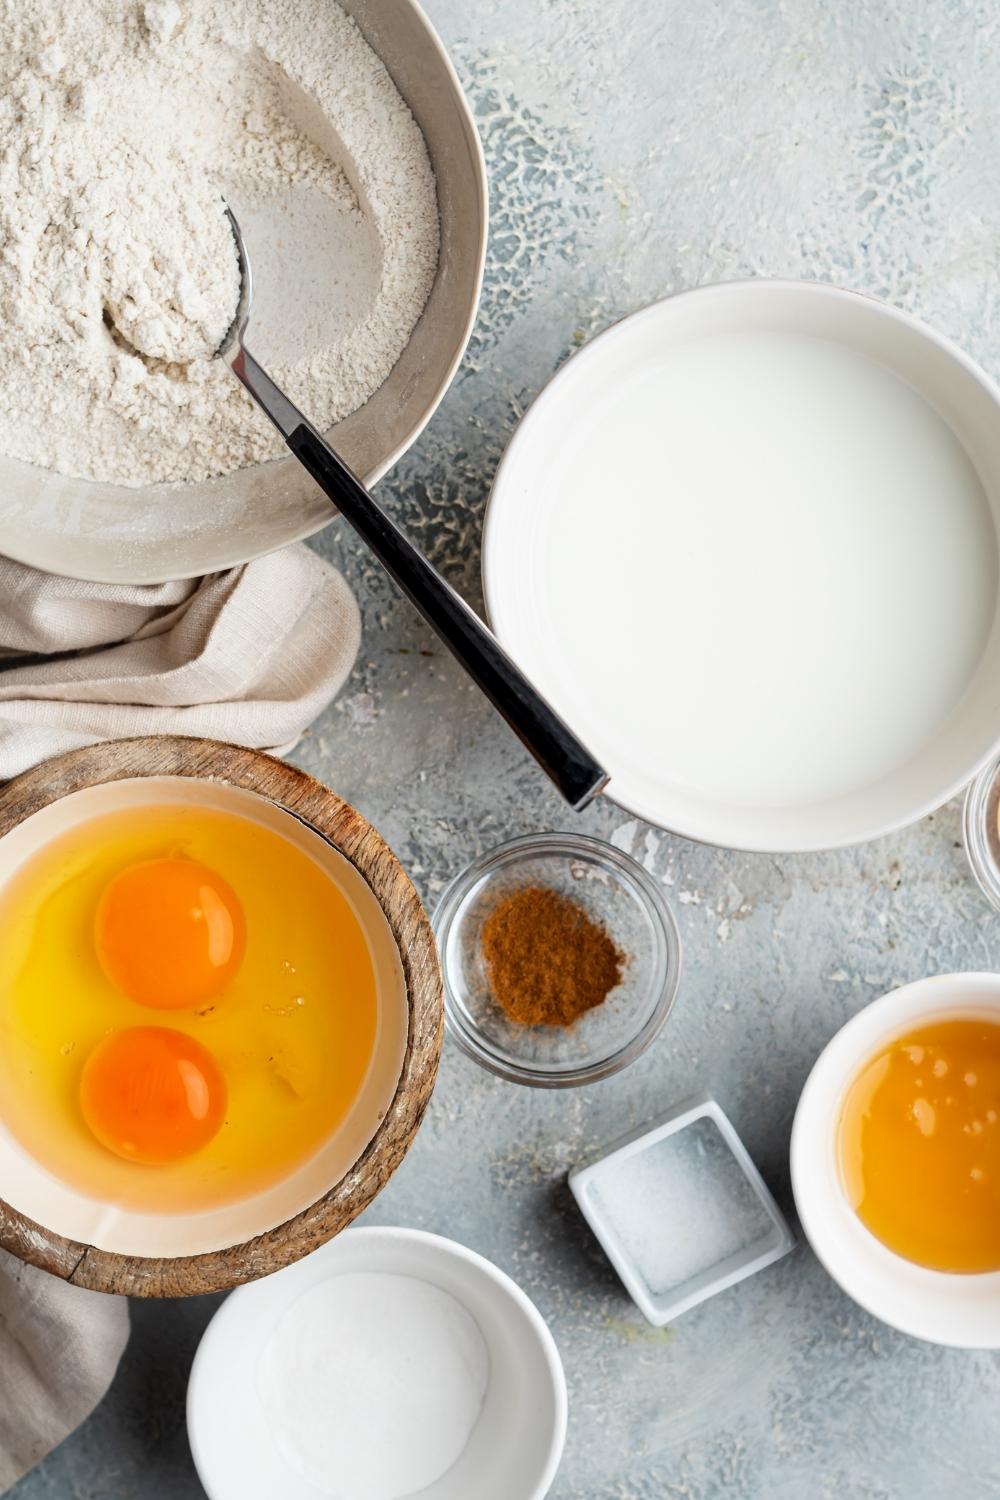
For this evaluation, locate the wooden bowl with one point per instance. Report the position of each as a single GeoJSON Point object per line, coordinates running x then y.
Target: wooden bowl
{"type": "Point", "coordinates": [342, 827]}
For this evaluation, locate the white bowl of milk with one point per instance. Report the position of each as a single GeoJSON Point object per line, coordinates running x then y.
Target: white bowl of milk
{"type": "Point", "coordinates": [746, 541]}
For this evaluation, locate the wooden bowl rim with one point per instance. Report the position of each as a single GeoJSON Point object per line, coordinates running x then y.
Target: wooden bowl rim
{"type": "Point", "coordinates": [358, 841]}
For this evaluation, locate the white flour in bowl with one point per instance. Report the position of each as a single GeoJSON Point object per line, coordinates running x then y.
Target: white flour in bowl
{"type": "Point", "coordinates": [122, 127]}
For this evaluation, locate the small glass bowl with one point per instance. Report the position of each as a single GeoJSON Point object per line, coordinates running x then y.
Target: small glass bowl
{"type": "Point", "coordinates": [614, 891]}
{"type": "Point", "coordinates": [981, 831]}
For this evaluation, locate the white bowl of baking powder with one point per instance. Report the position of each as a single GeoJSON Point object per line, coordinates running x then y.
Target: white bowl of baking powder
{"type": "Point", "coordinates": [389, 1363]}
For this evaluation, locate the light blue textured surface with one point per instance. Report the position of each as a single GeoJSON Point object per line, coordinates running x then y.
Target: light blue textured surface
{"type": "Point", "coordinates": [637, 147]}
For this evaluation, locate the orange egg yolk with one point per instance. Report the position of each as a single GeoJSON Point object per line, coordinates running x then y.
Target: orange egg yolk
{"type": "Point", "coordinates": [152, 1095]}
{"type": "Point", "coordinates": [170, 933]}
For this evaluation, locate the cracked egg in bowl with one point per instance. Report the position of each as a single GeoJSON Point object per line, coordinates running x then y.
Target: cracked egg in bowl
{"type": "Point", "coordinates": [219, 1011]}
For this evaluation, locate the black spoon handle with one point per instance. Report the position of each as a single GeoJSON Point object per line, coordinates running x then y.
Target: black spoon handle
{"type": "Point", "coordinates": [556, 748]}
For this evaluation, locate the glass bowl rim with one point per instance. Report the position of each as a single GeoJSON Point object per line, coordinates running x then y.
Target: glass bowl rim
{"type": "Point", "coordinates": [974, 832]}
{"type": "Point", "coordinates": [667, 961]}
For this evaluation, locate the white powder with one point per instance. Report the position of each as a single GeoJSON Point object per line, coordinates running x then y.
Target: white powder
{"type": "Point", "coordinates": [372, 1385]}
{"type": "Point", "coordinates": [680, 1206]}
{"type": "Point", "coordinates": [122, 128]}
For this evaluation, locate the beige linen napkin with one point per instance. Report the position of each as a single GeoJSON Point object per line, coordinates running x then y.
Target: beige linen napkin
{"type": "Point", "coordinates": [252, 656]}
{"type": "Point", "coordinates": [59, 1349]}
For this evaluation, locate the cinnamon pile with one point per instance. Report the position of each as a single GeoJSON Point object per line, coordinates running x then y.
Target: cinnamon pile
{"type": "Point", "coordinates": [548, 962]}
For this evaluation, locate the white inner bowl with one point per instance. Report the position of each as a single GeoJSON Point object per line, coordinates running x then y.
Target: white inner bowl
{"type": "Point", "coordinates": [962, 1310]}
{"type": "Point", "coordinates": [746, 542]}
{"type": "Point", "coordinates": [31, 1189]}
{"type": "Point", "coordinates": [515, 1447]}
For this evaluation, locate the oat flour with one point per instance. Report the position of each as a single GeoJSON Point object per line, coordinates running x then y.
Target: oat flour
{"type": "Point", "coordinates": [122, 126]}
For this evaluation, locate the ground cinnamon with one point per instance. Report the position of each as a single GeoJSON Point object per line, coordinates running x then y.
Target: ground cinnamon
{"type": "Point", "coordinates": [547, 961]}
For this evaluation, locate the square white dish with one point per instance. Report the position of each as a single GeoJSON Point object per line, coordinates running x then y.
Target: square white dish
{"type": "Point", "coordinates": [656, 1263]}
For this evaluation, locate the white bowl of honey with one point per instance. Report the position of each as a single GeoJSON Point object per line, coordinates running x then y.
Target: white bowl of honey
{"type": "Point", "coordinates": [220, 1015]}
{"type": "Point", "coordinates": [895, 1159]}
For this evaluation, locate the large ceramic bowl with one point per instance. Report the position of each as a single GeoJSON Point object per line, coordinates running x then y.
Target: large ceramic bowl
{"type": "Point", "coordinates": [115, 534]}
{"type": "Point", "coordinates": [105, 1246]}
{"type": "Point", "coordinates": [962, 1310]}
{"type": "Point", "coordinates": [795, 689]}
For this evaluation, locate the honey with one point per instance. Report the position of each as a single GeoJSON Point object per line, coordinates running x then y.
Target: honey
{"type": "Point", "coordinates": [919, 1145]}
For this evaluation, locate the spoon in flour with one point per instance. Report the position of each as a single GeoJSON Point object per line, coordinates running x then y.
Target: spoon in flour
{"type": "Point", "coordinates": [578, 776]}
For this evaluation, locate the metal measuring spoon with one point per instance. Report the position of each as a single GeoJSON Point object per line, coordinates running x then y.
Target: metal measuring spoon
{"type": "Point", "coordinates": [578, 776]}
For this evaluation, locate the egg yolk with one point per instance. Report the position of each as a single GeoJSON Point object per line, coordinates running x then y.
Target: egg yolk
{"type": "Point", "coordinates": [152, 1095]}
{"type": "Point", "coordinates": [170, 933]}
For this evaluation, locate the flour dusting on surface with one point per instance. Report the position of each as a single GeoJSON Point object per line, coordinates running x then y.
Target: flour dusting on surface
{"type": "Point", "coordinates": [123, 128]}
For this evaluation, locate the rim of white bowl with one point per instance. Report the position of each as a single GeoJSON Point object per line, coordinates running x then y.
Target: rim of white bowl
{"type": "Point", "coordinates": [447, 1249]}
{"type": "Point", "coordinates": [488, 565]}
{"type": "Point", "coordinates": [812, 1154]}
